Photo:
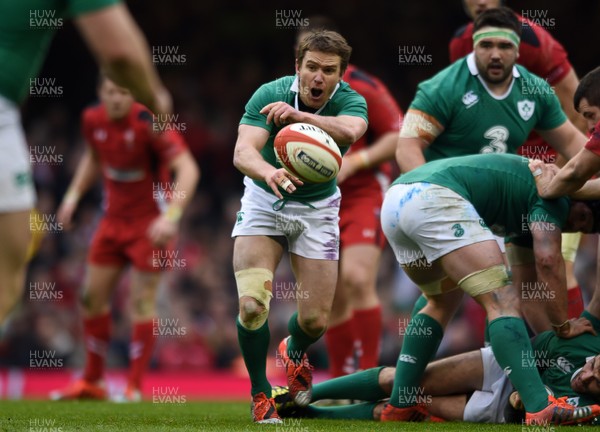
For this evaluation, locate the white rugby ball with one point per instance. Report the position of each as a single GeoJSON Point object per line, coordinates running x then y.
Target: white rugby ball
{"type": "Point", "coordinates": [308, 152]}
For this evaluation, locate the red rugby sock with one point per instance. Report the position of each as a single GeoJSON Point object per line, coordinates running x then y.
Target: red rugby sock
{"type": "Point", "coordinates": [575, 301]}
{"type": "Point", "coordinates": [340, 348]}
{"type": "Point", "coordinates": [367, 328]}
{"type": "Point", "coordinates": [140, 352]}
{"type": "Point", "coordinates": [96, 337]}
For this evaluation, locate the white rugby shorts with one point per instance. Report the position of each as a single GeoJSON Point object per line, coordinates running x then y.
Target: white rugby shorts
{"type": "Point", "coordinates": [311, 232]}
{"type": "Point", "coordinates": [17, 192]}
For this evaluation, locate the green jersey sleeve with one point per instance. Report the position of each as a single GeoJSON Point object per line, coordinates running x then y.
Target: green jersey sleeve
{"type": "Point", "coordinates": [80, 7]}
{"type": "Point", "coordinates": [431, 98]}
{"type": "Point", "coordinates": [258, 101]}
{"type": "Point", "coordinates": [551, 113]}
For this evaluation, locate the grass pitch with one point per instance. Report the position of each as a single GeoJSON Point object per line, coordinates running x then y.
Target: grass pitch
{"type": "Point", "coordinates": [44, 416]}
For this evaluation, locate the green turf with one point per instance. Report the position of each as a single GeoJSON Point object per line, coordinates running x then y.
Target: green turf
{"type": "Point", "coordinates": [192, 416]}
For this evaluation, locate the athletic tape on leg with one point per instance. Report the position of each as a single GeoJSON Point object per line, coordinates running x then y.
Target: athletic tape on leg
{"type": "Point", "coordinates": [484, 281]}
{"type": "Point", "coordinates": [256, 283]}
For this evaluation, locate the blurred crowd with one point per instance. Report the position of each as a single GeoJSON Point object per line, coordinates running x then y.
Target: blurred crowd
{"type": "Point", "coordinates": [209, 91]}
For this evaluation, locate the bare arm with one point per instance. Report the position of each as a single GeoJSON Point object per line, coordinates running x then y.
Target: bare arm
{"type": "Point", "coordinates": [380, 151]}
{"type": "Point", "coordinates": [344, 129]}
{"type": "Point", "coordinates": [551, 280]}
{"type": "Point", "coordinates": [566, 139]}
{"type": "Point", "coordinates": [122, 52]}
{"type": "Point", "coordinates": [247, 159]}
{"type": "Point", "coordinates": [186, 176]}
{"type": "Point", "coordinates": [570, 178]}
{"type": "Point", "coordinates": [565, 89]}
{"type": "Point", "coordinates": [86, 175]}
{"type": "Point", "coordinates": [409, 153]}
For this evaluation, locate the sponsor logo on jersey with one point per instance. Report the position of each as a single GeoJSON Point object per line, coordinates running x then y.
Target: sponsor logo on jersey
{"type": "Point", "coordinates": [100, 134]}
{"type": "Point", "coordinates": [407, 358]}
{"type": "Point", "coordinates": [564, 365]}
{"type": "Point", "coordinates": [470, 99]}
{"type": "Point", "coordinates": [526, 109]}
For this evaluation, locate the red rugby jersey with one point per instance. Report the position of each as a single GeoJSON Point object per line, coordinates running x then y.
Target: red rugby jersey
{"type": "Point", "coordinates": [134, 159]}
{"type": "Point", "coordinates": [541, 54]}
{"type": "Point", "coordinates": [384, 116]}
{"type": "Point", "coordinates": [593, 143]}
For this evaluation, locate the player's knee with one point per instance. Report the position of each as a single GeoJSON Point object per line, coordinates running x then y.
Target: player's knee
{"type": "Point", "coordinates": [254, 290]}
{"type": "Point", "coordinates": [386, 379]}
{"type": "Point", "coordinates": [357, 279]}
{"type": "Point", "coordinates": [314, 323]}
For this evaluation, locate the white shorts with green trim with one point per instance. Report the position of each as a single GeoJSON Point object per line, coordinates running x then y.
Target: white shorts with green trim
{"type": "Point", "coordinates": [311, 229]}
{"type": "Point", "coordinates": [17, 192]}
{"type": "Point", "coordinates": [423, 220]}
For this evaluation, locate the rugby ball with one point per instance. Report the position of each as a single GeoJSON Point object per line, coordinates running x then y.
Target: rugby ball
{"type": "Point", "coordinates": [308, 152]}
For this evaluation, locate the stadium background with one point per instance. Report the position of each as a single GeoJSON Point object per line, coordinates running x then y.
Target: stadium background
{"type": "Point", "coordinates": [230, 48]}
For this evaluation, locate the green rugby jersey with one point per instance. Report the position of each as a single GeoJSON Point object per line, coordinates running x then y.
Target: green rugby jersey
{"type": "Point", "coordinates": [500, 187]}
{"type": "Point", "coordinates": [344, 101]}
{"type": "Point", "coordinates": [558, 359]}
{"type": "Point", "coordinates": [26, 29]}
{"type": "Point", "coordinates": [477, 121]}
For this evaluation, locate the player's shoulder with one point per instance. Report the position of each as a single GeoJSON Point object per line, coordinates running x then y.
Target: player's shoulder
{"type": "Point", "coordinates": [357, 77]}
{"type": "Point", "coordinates": [464, 32]}
{"type": "Point", "coordinates": [93, 113]}
{"type": "Point", "coordinates": [140, 114]}
{"type": "Point", "coordinates": [449, 78]}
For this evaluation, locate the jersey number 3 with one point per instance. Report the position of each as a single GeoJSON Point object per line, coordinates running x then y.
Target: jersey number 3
{"type": "Point", "coordinates": [498, 136]}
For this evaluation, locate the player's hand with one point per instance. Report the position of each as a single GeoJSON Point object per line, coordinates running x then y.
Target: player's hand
{"type": "Point", "coordinates": [280, 178]}
{"type": "Point", "coordinates": [281, 114]}
{"type": "Point", "coordinates": [162, 230]}
{"type": "Point", "coordinates": [65, 212]}
{"type": "Point", "coordinates": [543, 174]}
{"type": "Point", "coordinates": [576, 327]}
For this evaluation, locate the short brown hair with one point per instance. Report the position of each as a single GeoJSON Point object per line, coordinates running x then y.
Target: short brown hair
{"type": "Point", "coordinates": [589, 88]}
{"type": "Point", "coordinates": [325, 41]}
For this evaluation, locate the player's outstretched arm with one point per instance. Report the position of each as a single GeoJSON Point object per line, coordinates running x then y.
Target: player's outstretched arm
{"type": "Point", "coordinates": [570, 178]}
{"type": "Point", "coordinates": [566, 139]}
{"type": "Point", "coordinates": [122, 52]}
{"type": "Point", "coordinates": [86, 175]}
{"type": "Point", "coordinates": [550, 270]}
{"type": "Point", "coordinates": [248, 160]}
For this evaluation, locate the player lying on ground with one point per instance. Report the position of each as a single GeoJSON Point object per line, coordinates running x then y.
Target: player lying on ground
{"type": "Point", "coordinates": [439, 219]}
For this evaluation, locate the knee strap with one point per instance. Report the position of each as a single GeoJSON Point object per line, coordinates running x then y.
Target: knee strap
{"type": "Point", "coordinates": [257, 284]}
{"type": "Point", "coordinates": [484, 281]}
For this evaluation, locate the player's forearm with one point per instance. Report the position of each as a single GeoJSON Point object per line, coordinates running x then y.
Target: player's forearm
{"type": "Point", "coordinates": [409, 154]}
{"type": "Point", "coordinates": [568, 180]}
{"type": "Point", "coordinates": [187, 175]}
{"type": "Point", "coordinates": [250, 162]}
{"type": "Point", "coordinates": [345, 130]}
{"type": "Point", "coordinates": [86, 175]}
{"type": "Point", "coordinates": [123, 53]}
{"type": "Point", "coordinates": [565, 89]}
{"type": "Point", "coordinates": [552, 287]}
{"type": "Point", "coordinates": [382, 150]}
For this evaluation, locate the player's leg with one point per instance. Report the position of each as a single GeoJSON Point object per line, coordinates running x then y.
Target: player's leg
{"type": "Point", "coordinates": [569, 245]}
{"type": "Point", "coordinates": [340, 337]}
{"type": "Point", "coordinates": [255, 259]}
{"type": "Point", "coordinates": [144, 285]}
{"type": "Point", "coordinates": [509, 340]}
{"type": "Point", "coordinates": [98, 287]}
{"type": "Point", "coordinates": [362, 267]}
{"type": "Point", "coordinates": [17, 198]}
{"type": "Point", "coordinates": [14, 238]}
{"type": "Point", "coordinates": [316, 279]}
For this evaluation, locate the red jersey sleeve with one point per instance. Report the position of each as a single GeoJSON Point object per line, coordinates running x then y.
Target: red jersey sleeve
{"type": "Point", "coordinates": [384, 113]}
{"type": "Point", "coordinates": [541, 54]}
{"type": "Point", "coordinates": [593, 143]}
{"type": "Point", "coordinates": [167, 145]}
{"type": "Point", "coordinates": [461, 43]}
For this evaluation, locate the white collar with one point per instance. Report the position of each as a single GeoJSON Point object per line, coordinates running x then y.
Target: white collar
{"type": "Point", "coordinates": [295, 88]}
{"type": "Point", "coordinates": [475, 72]}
